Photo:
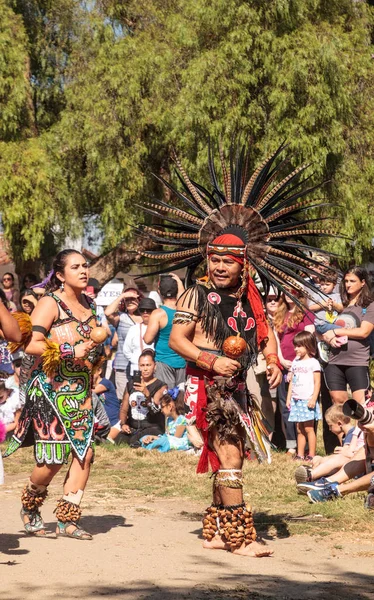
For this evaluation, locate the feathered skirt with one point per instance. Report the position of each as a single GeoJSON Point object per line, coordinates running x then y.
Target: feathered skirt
{"type": "Point", "coordinates": [224, 404]}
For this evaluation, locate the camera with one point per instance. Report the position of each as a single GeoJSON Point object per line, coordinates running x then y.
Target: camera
{"type": "Point", "coordinates": [353, 409]}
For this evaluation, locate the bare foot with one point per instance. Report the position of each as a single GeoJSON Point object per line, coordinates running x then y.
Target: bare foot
{"type": "Point", "coordinates": [216, 543]}
{"type": "Point", "coordinates": [256, 550]}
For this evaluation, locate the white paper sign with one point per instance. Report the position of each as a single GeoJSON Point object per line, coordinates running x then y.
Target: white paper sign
{"type": "Point", "coordinates": [108, 293]}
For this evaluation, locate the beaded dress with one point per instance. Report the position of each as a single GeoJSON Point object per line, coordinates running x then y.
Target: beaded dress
{"type": "Point", "coordinates": [57, 416]}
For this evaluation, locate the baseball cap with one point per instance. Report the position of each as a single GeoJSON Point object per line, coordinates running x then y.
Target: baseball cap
{"type": "Point", "coordinates": [147, 304]}
{"type": "Point", "coordinates": [168, 287]}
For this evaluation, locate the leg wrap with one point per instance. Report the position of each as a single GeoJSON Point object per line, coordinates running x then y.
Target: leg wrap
{"type": "Point", "coordinates": [233, 523]}
{"type": "Point", "coordinates": [68, 509]}
{"type": "Point", "coordinates": [211, 522]}
{"type": "Point", "coordinates": [229, 478]}
{"type": "Point", "coordinates": [33, 496]}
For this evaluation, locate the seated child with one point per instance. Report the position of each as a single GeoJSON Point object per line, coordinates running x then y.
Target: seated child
{"type": "Point", "coordinates": [175, 436]}
{"type": "Point", "coordinates": [10, 406]}
{"type": "Point", "coordinates": [355, 476]}
{"type": "Point", "coordinates": [325, 466]}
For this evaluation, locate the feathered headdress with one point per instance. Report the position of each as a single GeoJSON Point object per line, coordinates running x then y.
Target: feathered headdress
{"type": "Point", "coordinates": [261, 209]}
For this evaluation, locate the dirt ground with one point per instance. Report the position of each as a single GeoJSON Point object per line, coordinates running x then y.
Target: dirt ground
{"type": "Point", "coordinates": [151, 549]}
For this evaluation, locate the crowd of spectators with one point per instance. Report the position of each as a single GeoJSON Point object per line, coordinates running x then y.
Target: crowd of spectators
{"type": "Point", "coordinates": [324, 347]}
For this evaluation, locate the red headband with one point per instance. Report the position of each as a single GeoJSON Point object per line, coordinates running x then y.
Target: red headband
{"type": "Point", "coordinates": [228, 245]}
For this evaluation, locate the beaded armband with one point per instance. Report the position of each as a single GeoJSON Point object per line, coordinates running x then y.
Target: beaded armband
{"type": "Point", "coordinates": [53, 354]}
{"type": "Point", "coordinates": [206, 360]}
{"type": "Point", "coordinates": [67, 351]}
{"type": "Point", "coordinates": [182, 317]}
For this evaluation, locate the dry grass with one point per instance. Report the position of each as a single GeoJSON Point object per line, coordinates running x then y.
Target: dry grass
{"type": "Point", "coordinates": [127, 473]}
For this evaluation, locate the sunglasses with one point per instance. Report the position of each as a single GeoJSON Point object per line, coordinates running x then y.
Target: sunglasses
{"type": "Point", "coordinates": [7, 279]}
{"type": "Point", "coordinates": [132, 299]}
{"type": "Point", "coordinates": [146, 310]}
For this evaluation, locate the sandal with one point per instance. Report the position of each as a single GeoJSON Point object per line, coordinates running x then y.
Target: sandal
{"type": "Point", "coordinates": [35, 525]}
{"type": "Point", "coordinates": [78, 533]}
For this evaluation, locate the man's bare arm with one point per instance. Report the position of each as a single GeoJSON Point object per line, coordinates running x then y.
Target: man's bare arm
{"type": "Point", "coordinates": [182, 338]}
{"type": "Point", "coordinates": [153, 326]}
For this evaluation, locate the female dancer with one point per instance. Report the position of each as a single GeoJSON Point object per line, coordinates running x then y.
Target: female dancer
{"type": "Point", "coordinates": [58, 409]}
{"type": "Point", "coordinates": [349, 362]}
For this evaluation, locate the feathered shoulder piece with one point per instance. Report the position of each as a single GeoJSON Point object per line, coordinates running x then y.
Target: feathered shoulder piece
{"type": "Point", "coordinates": [25, 325]}
{"type": "Point", "coordinates": [272, 210]}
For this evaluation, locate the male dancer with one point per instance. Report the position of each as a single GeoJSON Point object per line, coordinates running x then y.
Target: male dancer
{"type": "Point", "coordinates": [245, 224]}
{"type": "Point", "coordinates": [220, 405]}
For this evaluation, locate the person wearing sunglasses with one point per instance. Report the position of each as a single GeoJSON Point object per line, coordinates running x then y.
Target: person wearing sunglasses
{"type": "Point", "coordinates": [12, 295]}
{"type": "Point", "coordinates": [123, 313]}
{"type": "Point", "coordinates": [134, 344]}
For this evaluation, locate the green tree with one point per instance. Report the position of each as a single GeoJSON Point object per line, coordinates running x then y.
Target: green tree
{"type": "Point", "coordinates": [116, 85]}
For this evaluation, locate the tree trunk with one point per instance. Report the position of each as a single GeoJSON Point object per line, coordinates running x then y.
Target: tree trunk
{"type": "Point", "coordinates": [121, 258]}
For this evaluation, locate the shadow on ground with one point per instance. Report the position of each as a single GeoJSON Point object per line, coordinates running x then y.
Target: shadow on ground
{"type": "Point", "coordinates": [9, 544]}
{"type": "Point", "coordinates": [244, 587]}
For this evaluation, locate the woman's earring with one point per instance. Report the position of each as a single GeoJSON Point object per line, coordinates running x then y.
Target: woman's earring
{"type": "Point", "coordinates": [62, 286]}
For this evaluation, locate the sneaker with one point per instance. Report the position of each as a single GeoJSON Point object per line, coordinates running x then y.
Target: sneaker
{"type": "Point", "coordinates": [369, 501]}
{"type": "Point", "coordinates": [308, 458]}
{"type": "Point", "coordinates": [329, 492]}
{"type": "Point", "coordinates": [318, 484]}
{"type": "Point", "coordinates": [297, 457]}
{"type": "Point", "coordinates": [324, 351]}
{"type": "Point", "coordinates": [303, 474]}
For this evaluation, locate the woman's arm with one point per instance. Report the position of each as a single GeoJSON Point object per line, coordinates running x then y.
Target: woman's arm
{"type": "Point", "coordinates": [357, 333]}
{"type": "Point", "coordinates": [317, 386]}
{"type": "Point", "coordinates": [158, 395]}
{"type": "Point", "coordinates": [289, 395]}
{"type": "Point", "coordinates": [111, 311]}
{"type": "Point", "coordinates": [153, 326]}
{"type": "Point", "coordinates": [123, 413]}
{"type": "Point", "coordinates": [44, 314]}
{"type": "Point", "coordinates": [9, 325]}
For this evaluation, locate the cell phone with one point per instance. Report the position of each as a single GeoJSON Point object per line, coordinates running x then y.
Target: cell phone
{"type": "Point", "coordinates": [137, 376]}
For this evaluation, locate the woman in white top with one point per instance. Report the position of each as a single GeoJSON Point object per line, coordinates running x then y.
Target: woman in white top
{"type": "Point", "coordinates": [134, 344]}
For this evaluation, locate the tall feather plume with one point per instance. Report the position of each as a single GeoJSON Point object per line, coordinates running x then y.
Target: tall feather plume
{"type": "Point", "coordinates": [227, 184]}
{"type": "Point", "coordinates": [200, 202]}
{"type": "Point", "coordinates": [265, 207]}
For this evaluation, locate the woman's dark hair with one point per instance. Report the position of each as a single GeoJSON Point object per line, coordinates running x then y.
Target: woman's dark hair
{"type": "Point", "coordinates": [148, 352]}
{"type": "Point", "coordinates": [58, 266]}
{"type": "Point", "coordinates": [33, 280]}
{"type": "Point", "coordinates": [28, 292]}
{"type": "Point", "coordinates": [3, 298]}
{"type": "Point", "coordinates": [306, 339]}
{"type": "Point", "coordinates": [365, 297]}
{"type": "Point", "coordinates": [180, 406]}
{"type": "Point", "coordinates": [3, 387]}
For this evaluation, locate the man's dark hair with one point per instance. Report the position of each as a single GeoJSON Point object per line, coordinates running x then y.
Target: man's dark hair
{"type": "Point", "coordinates": [168, 287]}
